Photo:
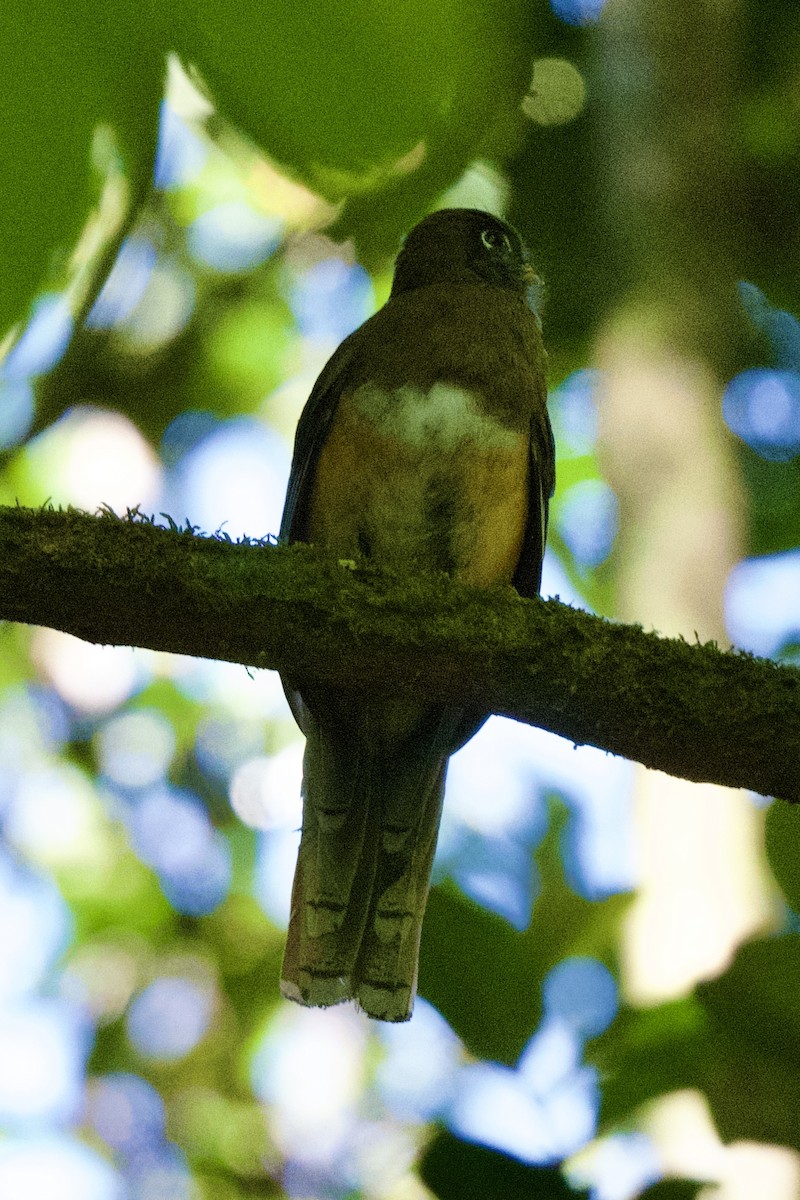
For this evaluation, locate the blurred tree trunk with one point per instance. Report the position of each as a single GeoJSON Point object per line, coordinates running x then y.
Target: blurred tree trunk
{"type": "Point", "coordinates": [669, 70]}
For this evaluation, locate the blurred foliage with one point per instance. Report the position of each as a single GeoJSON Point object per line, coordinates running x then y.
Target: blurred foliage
{"type": "Point", "coordinates": [646, 1053]}
{"type": "Point", "coordinates": [429, 103]}
{"type": "Point", "coordinates": [431, 83]}
{"type": "Point", "coordinates": [377, 109]}
{"type": "Point", "coordinates": [766, 118]}
{"type": "Point", "coordinates": [470, 955]}
{"type": "Point", "coordinates": [737, 1041]}
{"type": "Point", "coordinates": [457, 1170]}
{"type": "Point", "coordinates": [673, 1189]}
{"type": "Point", "coordinates": [782, 839]}
{"type": "Point", "coordinates": [76, 68]}
{"type": "Point", "coordinates": [774, 491]}
{"type": "Point", "coordinates": [223, 361]}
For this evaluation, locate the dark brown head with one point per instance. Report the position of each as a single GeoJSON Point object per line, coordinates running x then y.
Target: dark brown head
{"type": "Point", "coordinates": [463, 245]}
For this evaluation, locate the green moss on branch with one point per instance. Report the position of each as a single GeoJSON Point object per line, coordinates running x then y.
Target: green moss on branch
{"type": "Point", "coordinates": [693, 711]}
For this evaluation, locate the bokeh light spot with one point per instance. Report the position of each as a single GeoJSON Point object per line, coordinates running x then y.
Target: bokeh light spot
{"type": "Point", "coordinates": [582, 993]}
{"type": "Point", "coordinates": [42, 343]}
{"type": "Point", "coordinates": [170, 1017]}
{"type": "Point", "coordinates": [222, 743]}
{"type": "Point", "coordinates": [573, 411]}
{"type": "Point", "coordinates": [587, 515]}
{"type": "Point", "coordinates": [55, 1167]}
{"type": "Point", "coordinates": [619, 1167]}
{"type": "Point", "coordinates": [136, 748]}
{"type": "Point", "coordinates": [497, 761]}
{"type": "Point", "coordinates": [245, 695]}
{"type": "Point", "coordinates": [310, 1069]}
{"type": "Point", "coordinates": [578, 12]}
{"type": "Point", "coordinates": [519, 765]}
{"type": "Point", "coordinates": [550, 1057]}
{"type": "Point", "coordinates": [126, 1112]}
{"type": "Point", "coordinates": [16, 410]}
{"type": "Point", "coordinates": [93, 679]}
{"type": "Point", "coordinates": [100, 979]}
{"type": "Point", "coordinates": [498, 873]}
{"type": "Point", "coordinates": [417, 1074]}
{"type": "Point", "coordinates": [162, 1174]}
{"type": "Point", "coordinates": [235, 479]}
{"type": "Point", "coordinates": [34, 930]}
{"type": "Point", "coordinates": [55, 817]}
{"type": "Point", "coordinates": [330, 299]}
{"type": "Point", "coordinates": [272, 880]}
{"type": "Point", "coordinates": [492, 1107]}
{"type": "Point", "coordinates": [109, 462]}
{"type": "Point", "coordinates": [170, 829]}
{"type": "Point", "coordinates": [186, 431]}
{"type": "Point", "coordinates": [125, 285]}
{"type": "Point", "coordinates": [90, 458]}
{"type": "Point", "coordinates": [557, 92]}
{"type": "Point", "coordinates": [762, 407]}
{"type": "Point", "coordinates": [172, 833]}
{"type": "Point", "coordinates": [761, 603]}
{"type": "Point", "coordinates": [487, 848]}
{"type": "Point", "coordinates": [199, 891]}
{"type": "Point", "coordinates": [42, 1051]}
{"type": "Point", "coordinates": [265, 791]}
{"type": "Point", "coordinates": [165, 310]}
{"type": "Point", "coordinates": [233, 237]}
{"type": "Point", "coordinates": [181, 151]}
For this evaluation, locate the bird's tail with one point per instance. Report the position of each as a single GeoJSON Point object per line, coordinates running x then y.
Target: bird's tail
{"type": "Point", "coordinates": [370, 823]}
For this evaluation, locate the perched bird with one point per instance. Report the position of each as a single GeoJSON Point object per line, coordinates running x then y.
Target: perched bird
{"type": "Point", "coordinates": [425, 446]}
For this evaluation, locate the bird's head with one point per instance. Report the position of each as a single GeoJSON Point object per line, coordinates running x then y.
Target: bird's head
{"type": "Point", "coordinates": [462, 245]}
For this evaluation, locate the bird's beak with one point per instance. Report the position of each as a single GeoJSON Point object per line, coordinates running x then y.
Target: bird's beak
{"type": "Point", "coordinates": [534, 292]}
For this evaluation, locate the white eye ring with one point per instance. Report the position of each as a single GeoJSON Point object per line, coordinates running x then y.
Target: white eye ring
{"type": "Point", "coordinates": [495, 239]}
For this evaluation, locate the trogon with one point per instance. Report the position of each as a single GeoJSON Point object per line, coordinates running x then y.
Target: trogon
{"type": "Point", "coordinates": [425, 446]}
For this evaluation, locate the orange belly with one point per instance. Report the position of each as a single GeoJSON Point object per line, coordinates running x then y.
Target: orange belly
{"type": "Point", "coordinates": [423, 482]}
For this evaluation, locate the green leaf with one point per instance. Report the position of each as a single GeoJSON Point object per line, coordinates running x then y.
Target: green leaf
{"type": "Point", "coordinates": [674, 1189]}
{"type": "Point", "coordinates": [456, 1170]}
{"type": "Point", "coordinates": [754, 1096]}
{"type": "Point", "coordinates": [343, 92]}
{"type": "Point", "coordinates": [486, 978]}
{"type": "Point", "coordinates": [752, 1060]}
{"type": "Point", "coordinates": [75, 67]}
{"type": "Point", "coordinates": [648, 1052]}
{"type": "Point", "coordinates": [738, 1041]}
{"type": "Point", "coordinates": [757, 1001]}
{"type": "Point", "coordinates": [782, 836]}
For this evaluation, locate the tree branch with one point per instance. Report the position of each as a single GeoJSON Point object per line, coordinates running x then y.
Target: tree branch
{"type": "Point", "coordinates": [690, 710]}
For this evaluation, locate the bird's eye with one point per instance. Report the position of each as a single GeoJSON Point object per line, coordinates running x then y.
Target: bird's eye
{"type": "Point", "coordinates": [495, 239]}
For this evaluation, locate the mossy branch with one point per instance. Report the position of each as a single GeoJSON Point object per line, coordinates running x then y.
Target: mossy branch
{"type": "Point", "coordinates": [693, 711]}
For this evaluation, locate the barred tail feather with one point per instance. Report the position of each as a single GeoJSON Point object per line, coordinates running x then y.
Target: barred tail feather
{"type": "Point", "coordinates": [386, 973]}
{"type": "Point", "coordinates": [370, 824]}
{"type": "Point", "coordinates": [334, 875]}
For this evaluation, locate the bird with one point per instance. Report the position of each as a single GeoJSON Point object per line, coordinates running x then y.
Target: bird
{"type": "Point", "coordinates": [424, 446]}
